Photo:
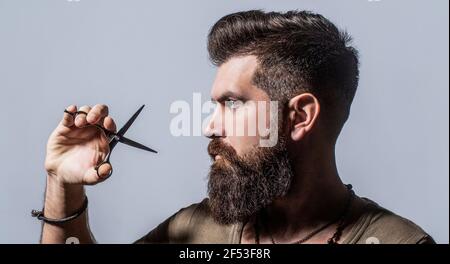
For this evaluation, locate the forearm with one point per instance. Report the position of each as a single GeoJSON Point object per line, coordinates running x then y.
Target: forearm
{"type": "Point", "coordinates": [61, 201]}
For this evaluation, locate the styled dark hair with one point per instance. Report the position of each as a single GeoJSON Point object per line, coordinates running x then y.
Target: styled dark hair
{"type": "Point", "coordinates": [297, 51]}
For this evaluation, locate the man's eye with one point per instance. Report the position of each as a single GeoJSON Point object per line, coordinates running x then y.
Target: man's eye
{"type": "Point", "coordinates": [232, 104]}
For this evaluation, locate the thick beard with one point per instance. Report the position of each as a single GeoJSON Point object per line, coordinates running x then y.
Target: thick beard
{"type": "Point", "coordinates": [238, 187]}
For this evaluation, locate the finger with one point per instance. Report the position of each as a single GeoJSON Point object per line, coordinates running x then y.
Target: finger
{"type": "Point", "coordinates": [80, 119]}
{"type": "Point", "coordinates": [92, 177]}
{"type": "Point", "coordinates": [104, 171]}
{"type": "Point", "coordinates": [98, 112]}
{"type": "Point", "coordinates": [68, 119]}
{"type": "Point", "coordinates": [109, 124]}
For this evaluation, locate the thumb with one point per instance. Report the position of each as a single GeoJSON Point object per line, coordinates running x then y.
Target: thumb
{"type": "Point", "coordinates": [97, 174]}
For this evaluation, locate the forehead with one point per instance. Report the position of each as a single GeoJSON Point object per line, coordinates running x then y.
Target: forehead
{"type": "Point", "coordinates": [235, 77]}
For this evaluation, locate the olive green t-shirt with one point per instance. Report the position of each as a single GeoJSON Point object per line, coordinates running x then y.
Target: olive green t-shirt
{"type": "Point", "coordinates": [195, 224]}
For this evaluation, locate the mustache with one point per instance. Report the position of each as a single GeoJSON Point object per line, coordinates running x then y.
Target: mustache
{"type": "Point", "coordinates": [218, 147]}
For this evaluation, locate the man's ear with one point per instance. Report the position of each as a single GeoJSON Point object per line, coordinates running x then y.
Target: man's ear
{"type": "Point", "coordinates": [303, 113]}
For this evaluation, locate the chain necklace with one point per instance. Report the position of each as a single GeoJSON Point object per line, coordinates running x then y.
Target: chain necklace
{"type": "Point", "coordinates": [337, 234]}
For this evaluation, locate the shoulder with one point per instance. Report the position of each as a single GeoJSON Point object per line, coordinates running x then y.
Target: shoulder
{"type": "Point", "coordinates": [385, 227]}
{"type": "Point", "coordinates": [191, 224]}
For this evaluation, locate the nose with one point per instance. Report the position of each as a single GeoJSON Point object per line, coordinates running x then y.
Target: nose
{"type": "Point", "coordinates": [215, 126]}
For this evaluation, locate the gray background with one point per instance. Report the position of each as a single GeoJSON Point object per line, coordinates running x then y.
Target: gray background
{"type": "Point", "coordinates": [394, 148]}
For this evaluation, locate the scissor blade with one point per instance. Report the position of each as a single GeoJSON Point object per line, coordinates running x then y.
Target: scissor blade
{"type": "Point", "coordinates": [127, 125]}
{"type": "Point", "coordinates": [132, 143]}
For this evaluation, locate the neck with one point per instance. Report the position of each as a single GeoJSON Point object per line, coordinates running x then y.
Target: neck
{"type": "Point", "coordinates": [317, 195]}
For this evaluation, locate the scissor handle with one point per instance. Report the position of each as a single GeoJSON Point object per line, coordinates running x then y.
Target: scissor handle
{"type": "Point", "coordinates": [108, 133]}
{"type": "Point", "coordinates": [105, 161]}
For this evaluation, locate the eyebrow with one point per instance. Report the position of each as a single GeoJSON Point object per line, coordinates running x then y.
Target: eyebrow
{"type": "Point", "coordinates": [226, 96]}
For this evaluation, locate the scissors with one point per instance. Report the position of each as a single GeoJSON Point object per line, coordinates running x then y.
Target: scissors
{"type": "Point", "coordinates": [114, 138]}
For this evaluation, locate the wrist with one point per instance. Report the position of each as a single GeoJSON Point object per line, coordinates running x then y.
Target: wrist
{"type": "Point", "coordinates": [62, 199]}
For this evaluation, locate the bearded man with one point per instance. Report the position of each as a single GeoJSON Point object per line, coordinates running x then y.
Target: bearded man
{"type": "Point", "coordinates": [288, 191]}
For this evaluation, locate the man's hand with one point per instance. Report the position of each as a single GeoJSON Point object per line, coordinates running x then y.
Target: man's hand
{"type": "Point", "coordinates": [75, 147]}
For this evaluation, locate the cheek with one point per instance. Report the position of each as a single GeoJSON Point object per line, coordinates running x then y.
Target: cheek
{"type": "Point", "coordinates": [243, 133]}
{"type": "Point", "coordinates": [243, 144]}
